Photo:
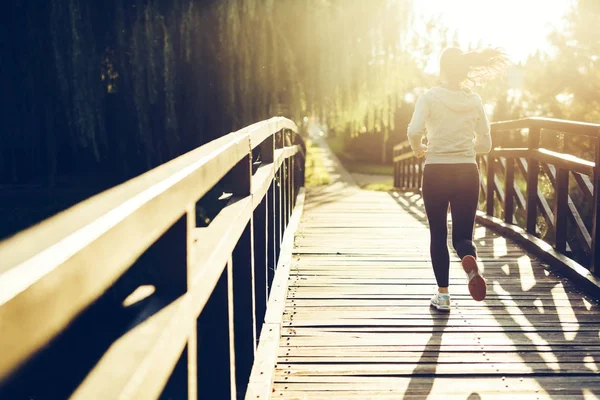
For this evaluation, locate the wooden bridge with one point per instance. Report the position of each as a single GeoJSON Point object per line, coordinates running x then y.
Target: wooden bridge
{"type": "Point", "coordinates": [293, 295]}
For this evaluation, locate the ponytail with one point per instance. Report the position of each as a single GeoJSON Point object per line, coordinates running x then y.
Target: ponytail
{"type": "Point", "coordinates": [472, 66]}
{"type": "Point", "coordinates": [489, 60]}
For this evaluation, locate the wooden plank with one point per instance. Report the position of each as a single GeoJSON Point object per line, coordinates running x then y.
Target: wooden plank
{"type": "Point", "coordinates": [403, 351]}
{"type": "Point", "coordinates": [572, 127]}
{"type": "Point", "coordinates": [564, 161]}
{"type": "Point", "coordinates": [442, 369]}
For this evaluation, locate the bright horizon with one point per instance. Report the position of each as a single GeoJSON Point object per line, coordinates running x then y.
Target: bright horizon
{"type": "Point", "coordinates": [494, 23]}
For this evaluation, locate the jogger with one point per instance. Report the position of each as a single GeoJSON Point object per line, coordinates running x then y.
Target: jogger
{"type": "Point", "coordinates": [457, 128]}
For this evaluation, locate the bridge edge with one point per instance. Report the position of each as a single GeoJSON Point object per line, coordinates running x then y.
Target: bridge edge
{"type": "Point", "coordinates": [545, 252]}
{"type": "Point", "coordinates": [260, 383]}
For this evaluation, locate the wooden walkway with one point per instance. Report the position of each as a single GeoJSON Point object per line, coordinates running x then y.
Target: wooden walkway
{"type": "Point", "coordinates": [357, 322]}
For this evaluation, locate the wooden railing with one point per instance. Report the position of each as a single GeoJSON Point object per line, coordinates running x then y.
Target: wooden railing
{"type": "Point", "coordinates": [124, 297]}
{"type": "Point", "coordinates": [557, 217]}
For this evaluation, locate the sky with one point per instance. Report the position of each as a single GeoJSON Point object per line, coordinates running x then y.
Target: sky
{"type": "Point", "coordinates": [520, 27]}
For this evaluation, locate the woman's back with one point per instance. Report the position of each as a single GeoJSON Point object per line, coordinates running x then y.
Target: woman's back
{"type": "Point", "coordinates": [453, 119]}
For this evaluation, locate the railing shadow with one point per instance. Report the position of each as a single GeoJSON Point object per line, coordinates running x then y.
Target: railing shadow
{"type": "Point", "coordinates": [547, 322]}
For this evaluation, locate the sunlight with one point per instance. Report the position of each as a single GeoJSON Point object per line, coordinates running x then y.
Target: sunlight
{"type": "Point", "coordinates": [499, 245]}
{"type": "Point", "coordinates": [588, 395]}
{"type": "Point", "coordinates": [479, 232]}
{"type": "Point", "coordinates": [587, 304]}
{"type": "Point", "coordinates": [139, 294]}
{"type": "Point", "coordinates": [404, 201]}
{"type": "Point", "coordinates": [590, 363]}
{"type": "Point", "coordinates": [481, 265]}
{"type": "Point", "coordinates": [539, 304]}
{"type": "Point", "coordinates": [526, 272]}
{"type": "Point", "coordinates": [410, 97]}
{"type": "Point", "coordinates": [565, 99]}
{"type": "Point", "coordinates": [506, 269]}
{"type": "Point", "coordinates": [566, 315]}
{"type": "Point", "coordinates": [492, 23]}
{"type": "Point", "coordinates": [544, 348]}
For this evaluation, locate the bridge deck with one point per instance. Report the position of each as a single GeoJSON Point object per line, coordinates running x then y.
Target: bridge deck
{"type": "Point", "coordinates": [357, 322]}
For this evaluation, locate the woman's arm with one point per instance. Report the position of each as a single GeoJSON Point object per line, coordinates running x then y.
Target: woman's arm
{"type": "Point", "coordinates": [483, 139]}
{"type": "Point", "coordinates": [416, 127]}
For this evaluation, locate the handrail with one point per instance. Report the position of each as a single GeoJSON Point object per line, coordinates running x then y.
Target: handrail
{"type": "Point", "coordinates": [51, 273]}
{"type": "Point", "coordinates": [501, 162]}
{"type": "Point", "coordinates": [561, 125]}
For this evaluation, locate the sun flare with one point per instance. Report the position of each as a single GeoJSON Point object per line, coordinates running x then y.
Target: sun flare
{"type": "Point", "coordinates": [519, 27]}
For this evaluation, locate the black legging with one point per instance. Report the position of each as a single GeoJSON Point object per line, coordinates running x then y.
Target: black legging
{"type": "Point", "coordinates": [456, 185]}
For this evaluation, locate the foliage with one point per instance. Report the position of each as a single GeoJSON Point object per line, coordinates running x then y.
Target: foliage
{"type": "Point", "coordinates": [316, 172]}
{"type": "Point", "coordinates": [100, 92]}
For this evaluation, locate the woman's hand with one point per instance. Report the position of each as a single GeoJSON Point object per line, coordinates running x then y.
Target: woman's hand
{"type": "Point", "coordinates": [421, 151]}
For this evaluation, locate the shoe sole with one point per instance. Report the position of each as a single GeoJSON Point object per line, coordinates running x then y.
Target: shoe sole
{"type": "Point", "coordinates": [439, 308]}
{"type": "Point", "coordinates": [477, 285]}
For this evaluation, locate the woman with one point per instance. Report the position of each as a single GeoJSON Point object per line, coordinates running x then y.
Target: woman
{"type": "Point", "coordinates": [457, 129]}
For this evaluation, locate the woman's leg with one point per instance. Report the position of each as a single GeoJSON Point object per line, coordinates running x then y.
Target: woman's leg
{"type": "Point", "coordinates": [435, 197]}
{"type": "Point", "coordinates": [463, 205]}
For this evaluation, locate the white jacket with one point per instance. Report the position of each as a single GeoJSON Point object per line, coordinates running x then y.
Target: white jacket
{"type": "Point", "coordinates": [456, 123]}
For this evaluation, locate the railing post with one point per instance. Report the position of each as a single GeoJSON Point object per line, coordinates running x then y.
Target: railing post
{"type": "Point", "coordinates": [533, 167]}
{"type": "Point", "coordinates": [400, 174]}
{"type": "Point", "coordinates": [509, 189]}
{"type": "Point", "coordinates": [169, 262]}
{"type": "Point", "coordinates": [420, 174]}
{"type": "Point", "coordinates": [260, 264]}
{"type": "Point", "coordinates": [214, 350]}
{"type": "Point", "coordinates": [286, 189]}
{"type": "Point", "coordinates": [489, 201]}
{"type": "Point", "coordinates": [271, 235]}
{"type": "Point", "coordinates": [395, 168]}
{"type": "Point", "coordinates": [595, 264]}
{"type": "Point", "coordinates": [192, 346]}
{"type": "Point", "coordinates": [278, 212]}
{"type": "Point", "coordinates": [292, 187]}
{"type": "Point", "coordinates": [236, 325]}
{"type": "Point", "coordinates": [244, 331]}
{"type": "Point", "coordinates": [560, 209]}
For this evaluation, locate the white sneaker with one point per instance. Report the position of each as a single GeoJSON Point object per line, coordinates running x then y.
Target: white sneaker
{"type": "Point", "coordinates": [441, 301]}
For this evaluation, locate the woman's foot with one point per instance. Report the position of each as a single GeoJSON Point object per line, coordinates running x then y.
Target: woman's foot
{"type": "Point", "coordinates": [441, 301]}
{"type": "Point", "coordinates": [477, 284]}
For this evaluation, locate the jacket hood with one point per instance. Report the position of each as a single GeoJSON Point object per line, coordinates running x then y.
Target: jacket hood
{"type": "Point", "coordinates": [457, 100]}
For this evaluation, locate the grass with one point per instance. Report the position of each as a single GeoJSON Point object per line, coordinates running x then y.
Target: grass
{"type": "Point", "coordinates": [336, 144]}
{"type": "Point", "coordinates": [383, 186]}
{"type": "Point", "coordinates": [370, 169]}
{"type": "Point", "coordinates": [316, 173]}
